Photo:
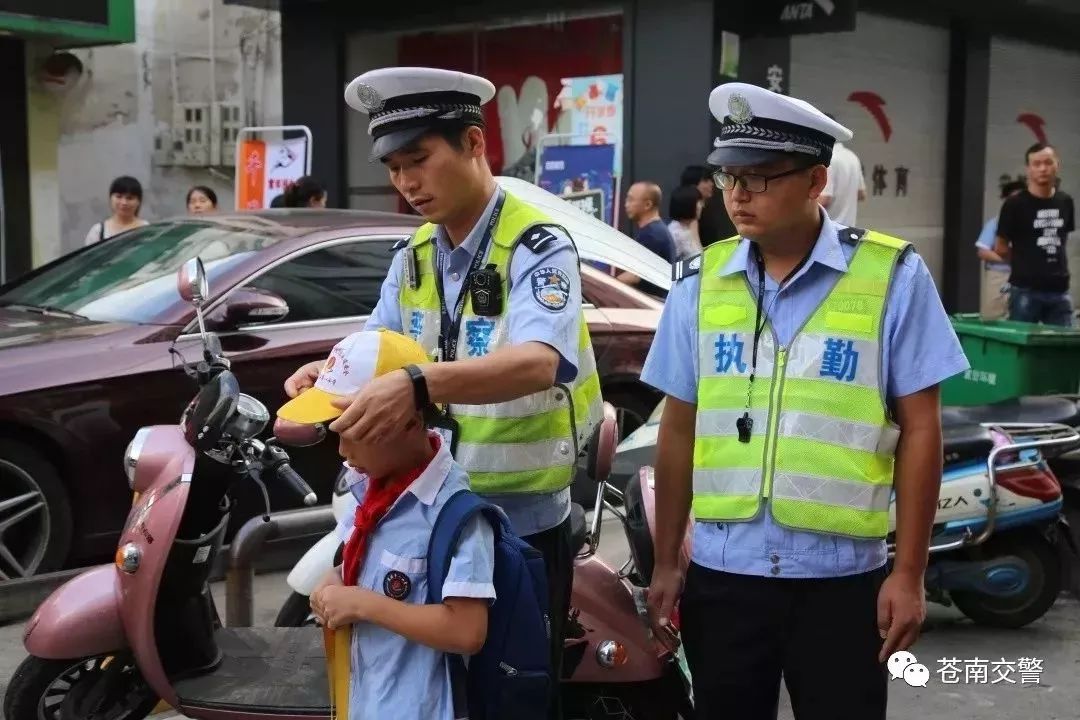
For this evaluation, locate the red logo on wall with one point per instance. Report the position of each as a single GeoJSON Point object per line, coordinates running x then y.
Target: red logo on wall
{"type": "Point", "coordinates": [1035, 123]}
{"type": "Point", "coordinates": [874, 105]}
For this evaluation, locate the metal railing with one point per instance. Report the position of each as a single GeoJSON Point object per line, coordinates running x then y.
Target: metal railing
{"type": "Point", "coordinates": [249, 542]}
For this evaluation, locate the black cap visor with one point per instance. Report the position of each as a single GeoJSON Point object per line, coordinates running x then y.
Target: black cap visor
{"type": "Point", "coordinates": [747, 157]}
{"type": "Point", "coordinates": [396, 140]}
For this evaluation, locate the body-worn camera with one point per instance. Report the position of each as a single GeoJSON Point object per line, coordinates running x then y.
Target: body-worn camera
{"type": "Point", "coordinates": [485, 289]}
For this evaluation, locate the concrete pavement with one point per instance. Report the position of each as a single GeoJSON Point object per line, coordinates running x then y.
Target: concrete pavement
{"type": "Point", "coordinates": [1054, 640]}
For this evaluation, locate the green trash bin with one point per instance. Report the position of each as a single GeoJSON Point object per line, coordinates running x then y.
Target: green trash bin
{"type": "Point", "coordinates": [1009, 359]}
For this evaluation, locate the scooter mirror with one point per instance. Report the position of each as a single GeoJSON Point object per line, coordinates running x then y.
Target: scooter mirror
{"type": "Point", "coordinates": [191, 282]}
{"type": "Point", "coordinates": [297, 435]}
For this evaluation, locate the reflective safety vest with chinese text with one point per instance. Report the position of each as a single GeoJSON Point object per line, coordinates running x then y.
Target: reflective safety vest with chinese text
{"type": "Point", "coordinates": [528, 445]}
{"type": "Point", "coordinates": [823, 444]}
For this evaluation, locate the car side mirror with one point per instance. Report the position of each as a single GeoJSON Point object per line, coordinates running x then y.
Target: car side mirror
{"type": "Point", "coordinates": [245, 306]}
{"type": "Point", "coordinates": [192, 283]}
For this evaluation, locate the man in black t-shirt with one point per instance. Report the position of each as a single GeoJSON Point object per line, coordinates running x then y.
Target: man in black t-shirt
{"type": "Point", "coordinates": [1032, 230]}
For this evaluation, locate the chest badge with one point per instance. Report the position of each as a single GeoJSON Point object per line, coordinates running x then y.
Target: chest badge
{"type": "Point", "coordinates": [396, 585]}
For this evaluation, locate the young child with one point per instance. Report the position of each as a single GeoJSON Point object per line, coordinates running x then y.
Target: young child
{"type": "Point", "coordinates": [398, 665]}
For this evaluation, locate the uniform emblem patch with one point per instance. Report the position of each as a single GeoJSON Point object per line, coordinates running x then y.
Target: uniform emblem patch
{"type": "Point", "coordinates": [551, 288]}
{"type": "Point", "coordinates": [396, 585]}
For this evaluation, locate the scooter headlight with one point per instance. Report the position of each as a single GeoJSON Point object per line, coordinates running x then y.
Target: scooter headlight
{"type": "Point", "coordinates": [131, 455]}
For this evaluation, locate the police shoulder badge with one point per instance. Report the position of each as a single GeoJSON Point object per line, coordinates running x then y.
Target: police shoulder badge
{"type": "Point", "coordinates": [551, 288]}
{"type": "Point", "coordinates": [396, 585]}
{"type": "Point", "coordinates": [369, 97]}
{"type": "Point", "coordinates": [739, 109]}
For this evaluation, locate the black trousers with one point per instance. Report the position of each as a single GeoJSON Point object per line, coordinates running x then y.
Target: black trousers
{"type": "Point", "coordinates": [554, 545]}
{"type": "Point", "coordinates": [742, 632]}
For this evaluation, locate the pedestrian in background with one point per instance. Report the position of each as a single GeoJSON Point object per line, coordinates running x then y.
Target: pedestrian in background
{"type": "Point", "coordinates": [306, 192]}
{"type": "Point", "coordinates": [714, 224]}
{"type": "Point", "coordinates": [201, 199]}
{"type": "Point", "coordinates": [125, 199]}
{"type": "Point", "coordinates": [1032, 230]}
{"type": "Point", "coordinates": [643, 209]}
{"type": "Point", "coordinates": [845, 187]}
{"type": "Point", "coordinates": [994, 296]}
{"type": "Point", "coordinates": [685, 212]}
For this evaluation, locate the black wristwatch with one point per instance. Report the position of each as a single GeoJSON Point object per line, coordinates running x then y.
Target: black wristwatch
{"type": "Point", "coordinates": [419, 383]}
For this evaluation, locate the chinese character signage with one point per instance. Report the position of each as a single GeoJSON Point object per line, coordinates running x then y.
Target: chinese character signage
{"type": "Point", "coordinates": [584, 175]}
{"type": "Point", "coordinates": [594, 106]}
{"type": "Point", "coordinates": [264, 169]}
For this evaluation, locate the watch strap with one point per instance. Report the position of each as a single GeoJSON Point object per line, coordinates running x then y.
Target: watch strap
{"type": "Point", "coordinates": [420, 388]}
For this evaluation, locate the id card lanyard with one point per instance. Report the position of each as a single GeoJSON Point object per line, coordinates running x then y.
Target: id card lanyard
{"type": "Point", "coordinates": [450, 327]}
{"type": "Point", "coordinates": [745, 424]}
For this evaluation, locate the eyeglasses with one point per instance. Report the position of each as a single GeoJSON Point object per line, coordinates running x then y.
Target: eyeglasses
{"type": "Point", "coordinates": [750, 183]}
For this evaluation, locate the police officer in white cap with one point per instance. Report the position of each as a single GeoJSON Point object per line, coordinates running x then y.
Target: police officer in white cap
{"type": "Point", "coordinates": [801, 362]}
{"type": "Point", "coordinates": [491, 287]}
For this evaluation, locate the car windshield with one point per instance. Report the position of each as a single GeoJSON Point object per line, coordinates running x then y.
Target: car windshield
{"type": "Point", "coordinates": [132, 278]}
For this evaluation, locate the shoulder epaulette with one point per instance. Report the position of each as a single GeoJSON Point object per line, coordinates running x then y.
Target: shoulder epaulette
{"type": "Point", "coordinates": [850, 235]}
{"type": "Point", "coordinates": [404, 242]}
{"type": "Point", "coordinates": [686, 268]}
{"type": "Point", "coordinates": [538, 237]}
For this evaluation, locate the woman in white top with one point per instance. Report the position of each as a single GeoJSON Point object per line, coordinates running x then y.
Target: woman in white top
{"type": "Point", "coordinates": [685, 210]}
{"type": "Point", "coordinates": [125, 199]}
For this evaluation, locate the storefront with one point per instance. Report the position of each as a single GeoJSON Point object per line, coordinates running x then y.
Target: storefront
{"type": "Point", "coordinates": [533, 102]}
{"type": "Point", "coordinates": [932, 92]}
{"type": "Point", "coordinates": [895, 102]}
{"type": "Point", "coordinates": [34, 80]}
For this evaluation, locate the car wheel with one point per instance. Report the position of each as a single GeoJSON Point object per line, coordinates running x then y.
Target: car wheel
{"type": "Point", "coordinates": [633, 404]}
{"type": "Point", "coordinates": [35, 515]}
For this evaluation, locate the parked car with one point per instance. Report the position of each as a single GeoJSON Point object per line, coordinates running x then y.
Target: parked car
{"type": "Point", "coordinates": [91, 344]}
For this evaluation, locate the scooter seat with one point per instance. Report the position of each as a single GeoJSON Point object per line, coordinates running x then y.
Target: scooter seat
{"type": "Point", "coordinates": [578, 532]}
{"type": "Point", "coordinates": [965, 443]}
{"type": "Point", "coordinates": [1027, 409]}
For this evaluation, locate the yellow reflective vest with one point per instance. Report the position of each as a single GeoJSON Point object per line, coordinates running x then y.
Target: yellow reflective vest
{"type": "Point", "coordinates": [528, 445]}
{"type": "Point", "coordinates": [823, 444]}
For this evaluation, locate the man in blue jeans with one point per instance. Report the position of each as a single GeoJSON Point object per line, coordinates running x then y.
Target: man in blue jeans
{"type": "Point", "coordinates": [1032, 230]}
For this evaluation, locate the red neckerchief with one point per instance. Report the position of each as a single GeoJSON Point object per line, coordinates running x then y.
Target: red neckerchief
{"type": "Point", "coordinates": [379, 496]}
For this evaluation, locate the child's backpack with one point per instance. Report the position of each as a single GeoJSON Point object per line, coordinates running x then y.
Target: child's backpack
{"type": "Point", "coordinates": [510, 678]}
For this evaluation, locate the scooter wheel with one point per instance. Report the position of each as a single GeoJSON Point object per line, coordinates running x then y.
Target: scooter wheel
{"type": "Point", "coordinates": [1033, 601]}
{"type": "Point", "coordinates": [295, 612]}
{"type": "Point", "coordinates": [90, 687]}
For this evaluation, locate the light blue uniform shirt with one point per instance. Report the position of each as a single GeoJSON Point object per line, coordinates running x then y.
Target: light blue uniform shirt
{"type": "Point", "coordinates": [528, 319]}
{"type": "Point", "coordinates": [919, 349]}
{"type": "Point", "coordinates": [988, 239]}
{"type": "Point", "coordinates": [393, 677]}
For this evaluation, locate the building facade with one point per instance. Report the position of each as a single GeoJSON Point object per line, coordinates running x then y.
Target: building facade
{"type": "Point", "coordinates": [943, 100]}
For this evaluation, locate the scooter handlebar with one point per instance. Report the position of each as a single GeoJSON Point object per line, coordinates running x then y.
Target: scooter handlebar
{"type": "Point", "coordinates": [292, 479]}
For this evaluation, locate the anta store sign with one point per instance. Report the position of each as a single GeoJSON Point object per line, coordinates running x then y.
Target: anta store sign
{"type": "Point", "coordinates": [798, 17]}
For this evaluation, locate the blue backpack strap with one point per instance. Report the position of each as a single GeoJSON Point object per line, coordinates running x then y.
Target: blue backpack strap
{"type": "Point", "coordinates": [458, 510]}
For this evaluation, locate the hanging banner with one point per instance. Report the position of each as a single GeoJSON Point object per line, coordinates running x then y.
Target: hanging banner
{"type": "Point", "coordinates": [266, 168]}
{"type": "Point", "coordinates": [582, 174]}
{"type": "Point", "coordinates": [594, 105]}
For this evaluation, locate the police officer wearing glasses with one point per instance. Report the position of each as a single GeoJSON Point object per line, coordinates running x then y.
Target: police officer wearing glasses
{"type": "Point", "coordinates": [801, 363]}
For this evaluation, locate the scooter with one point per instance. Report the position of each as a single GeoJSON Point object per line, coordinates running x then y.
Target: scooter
{"type": "Point", "coordinates": [1000, 539]}
{"type": "Point", "coordinates": [612, 667]}
{"type": "Point", "coordinates": [117, 638]}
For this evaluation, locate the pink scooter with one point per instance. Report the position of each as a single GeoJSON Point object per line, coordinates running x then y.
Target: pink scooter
{"type": "Point", "coordinates": [114, 640]}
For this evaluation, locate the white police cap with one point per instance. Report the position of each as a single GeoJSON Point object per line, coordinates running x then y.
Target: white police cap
{"type": "Point", "coordinates": [406, 102]}
{"type": "Point", "coordinates": [760, 126]}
